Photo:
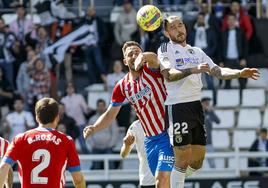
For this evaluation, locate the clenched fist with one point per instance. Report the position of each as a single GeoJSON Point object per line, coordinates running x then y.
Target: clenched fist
{"type": "Point", "coordinates": [88, 131]}
{"type": "Point", "coordinates": [129, 139]}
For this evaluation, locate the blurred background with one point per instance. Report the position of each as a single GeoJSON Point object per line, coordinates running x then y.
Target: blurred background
{"type": "Point", "coordinates": [71, 50]}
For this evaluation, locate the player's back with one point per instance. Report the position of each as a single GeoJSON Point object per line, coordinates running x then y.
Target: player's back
{"type": "Point", "coordinates": [43, 155]}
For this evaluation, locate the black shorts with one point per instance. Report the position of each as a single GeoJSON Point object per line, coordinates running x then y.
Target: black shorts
{"type": "Point", "coordinates": [186, 123]}
{"type": "Point", "coordinates": [147, 186]}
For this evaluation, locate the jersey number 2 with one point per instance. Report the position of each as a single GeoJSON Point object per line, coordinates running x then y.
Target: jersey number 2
{"type": "Point", "coordinates": [44, 155]}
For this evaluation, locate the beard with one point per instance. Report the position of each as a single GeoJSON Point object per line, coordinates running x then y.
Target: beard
{"type": "Point", "coordinates": [180, 38]}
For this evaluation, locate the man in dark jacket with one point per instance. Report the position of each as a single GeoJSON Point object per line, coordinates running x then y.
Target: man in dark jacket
{"type": "Point", "coordinates": [234, 49]}
{"type": "Point", "coordinates": [210, 117]}
{"type": "Point", "coordinates": [94, 44]}
{"type": "Point", "coordinates": [261, 145]}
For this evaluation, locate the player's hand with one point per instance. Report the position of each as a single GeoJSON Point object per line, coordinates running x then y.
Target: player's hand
{"type": "Point", "coordinates": [252, 73]}
{"type": "Point", "coordinates": [88, 131]}
{"type": "Point", "coordinates": [203, 67]}
{"type": "Point", "coordinates": [139, 62]}
{"type": "Point", "coordinates": [129, 139]}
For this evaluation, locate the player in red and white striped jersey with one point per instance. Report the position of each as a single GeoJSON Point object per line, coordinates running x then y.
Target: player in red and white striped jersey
{"type": "Point", "coordinates": [3, 148]}
{"type": "Point", "coordinates": [144, 88]}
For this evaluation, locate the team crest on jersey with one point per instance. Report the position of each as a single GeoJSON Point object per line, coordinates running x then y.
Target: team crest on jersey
{"type": "Point", "coordinates": [191, 51]}
{"type": "Point", "coordinates": [177, 52]}
{"type": "Point", "coordinates": [179, 62]}
{"type": "Point", "coordinates": [178, 138]}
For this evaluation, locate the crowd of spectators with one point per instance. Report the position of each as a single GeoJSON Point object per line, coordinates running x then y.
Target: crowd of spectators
{"type": "Point", "coordinates": [28, 74]}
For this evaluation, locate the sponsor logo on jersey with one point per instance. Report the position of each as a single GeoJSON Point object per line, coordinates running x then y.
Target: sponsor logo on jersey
{"type": "Point", "coordinates": [179, 62]}
{"type": "Point", "coordinates": [166, 158]}
{"type": "Point", "coordinates": [142, 93]}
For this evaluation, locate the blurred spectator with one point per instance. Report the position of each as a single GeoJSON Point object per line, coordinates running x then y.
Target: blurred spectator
{"type": "Point", "coordinates": [123, 118]}
{"type": "Point", "coordinates": [168, 5]}
{"type": "Point", "coordinates": [67, 123]}
{"type": "Point", "coordinates": [115, 76]}
{"type": "Point", "coordinates": [7, 41]}
{"type": "Point", "coordinates": [76, 108]}
{"type": "Point", "coordinates": [234, 49]}
{"type": "Point", "coordinates": [210, 117]}
{"type": "Point", "coordinates": [39, 83]}
{"type": "Point", "coordinates": [242, 19]}
{"type": "Point", "coordinates": [125, 27]}
{"type": "Point", "coordinates": [103, 141]}
{"type": "Point", "coordinates": [6, 91]}
{"type": "Point", "coordinates": [204, 37]}
{"type": "Point", "coordinates": [23, 78]}
{"type": "Point", "coordinates": [261, 145]}
{"type": "Point", "coordinates": [22, 25]}
{"type": "Point", "coordinates": [94, 44]}
{"type": "Point", "coordinates": [18, 121]}
{"type": "Point", "coordinates": [59, 10]}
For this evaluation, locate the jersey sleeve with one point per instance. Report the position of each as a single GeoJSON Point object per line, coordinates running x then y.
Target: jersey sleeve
{"type": "Point", "coordinates": [73, 163]}
{"type": "Point", "coordinates": [118, 97]}
{"type": "Point", "coordinates": [153, 72]}
{"type": "Point", "coordinates": [12, 153]}
{"type": "Point", "coordinates": [163, 57]}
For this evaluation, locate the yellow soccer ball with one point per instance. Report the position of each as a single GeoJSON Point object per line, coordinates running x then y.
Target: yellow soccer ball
{"type": "Point", "coordinates": [149, 18]}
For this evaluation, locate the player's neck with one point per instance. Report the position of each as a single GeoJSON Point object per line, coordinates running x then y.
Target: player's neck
{"type": "Point", "coordinates": [183, 44]}
{"type": "Point", "coordinates": [48, 126]}
{"type": "Point", "coordinates": [134, 74]}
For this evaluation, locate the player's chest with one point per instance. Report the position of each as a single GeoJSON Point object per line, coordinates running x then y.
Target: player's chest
{"type": "Point", "coordinates": [183, 59]}
{"type": "Point", "coordinates": [138, 92]}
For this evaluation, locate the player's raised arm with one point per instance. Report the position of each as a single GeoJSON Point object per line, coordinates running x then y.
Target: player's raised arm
{"type": "Point", "coordinates": [103, 121]}
{"type": "Point", "coordinates": [4, 171]}
{"type": "Point", "coordinates": [78, 179]}
{"type": "Point", "coordinates": [171, 74]}
{"type": "Point", "coordinates": [227, 73]}
{"type": "Point", "coordinates": [149, 58]}
{"type": "Point", "coordinates": [127, 145]}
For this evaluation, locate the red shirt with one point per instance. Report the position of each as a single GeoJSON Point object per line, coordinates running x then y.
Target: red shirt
{"type": "Point", "coordinates": [43, 155]}
{"type": "Point", "coordinates": [3, 147]}
{"type": "Point", "coordinates": [146, 95]}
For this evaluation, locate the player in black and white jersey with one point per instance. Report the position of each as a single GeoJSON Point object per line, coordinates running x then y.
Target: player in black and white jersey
{"type": "Point", "coordinates": [184, 112]}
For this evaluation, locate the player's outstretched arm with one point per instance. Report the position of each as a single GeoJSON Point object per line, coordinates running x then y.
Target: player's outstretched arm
{"type": "Point", "coordinates": [103, 121]}
{"type": "Point", "coordinates": [149, 58]}
{"type": "Point", "coordinates": [174, 74]}
{"type": "Point", "coordinates": [227, 73]}
{"type": "Point", "coordinates": [9, 183]}
{"type": "Point", "coordinates": [127, 143]}
{"type": "Point", "coordinates": [4, 170]}
{"type": "Point", "coordinates": [78, 179]}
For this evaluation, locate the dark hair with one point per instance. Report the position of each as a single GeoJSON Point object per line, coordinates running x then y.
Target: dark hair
{"type": "Point", "coordinates": [231, 14]}
{"type": "Point", "coordinates": [100, 101]}
{"type": "Point", "coordinates": [46, 110]}
{"type": "Point", "coordinates": [128, 44]}
{"type": "Point", "coordinates": [263, 130]}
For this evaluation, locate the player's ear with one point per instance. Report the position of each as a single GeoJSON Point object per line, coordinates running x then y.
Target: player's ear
{"type": "Point", "coordinates": [125, 62]}
{"type": "Point", "coordinates": [166, 34]}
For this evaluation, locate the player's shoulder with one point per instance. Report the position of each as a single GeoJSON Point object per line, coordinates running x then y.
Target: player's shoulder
{"type": "Point", "coordinates": [4, 140]}
{"type": "Point", "coordinates": [163, 48]}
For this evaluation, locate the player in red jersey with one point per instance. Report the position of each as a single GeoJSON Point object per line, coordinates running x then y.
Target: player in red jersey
{"type": "Point", "coordinates": [43, 153]}
{"type": "Point", "coordinates": [3, 148]}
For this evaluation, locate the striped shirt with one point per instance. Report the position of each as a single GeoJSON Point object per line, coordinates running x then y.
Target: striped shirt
{"type": "Point", "coordinates": [3, 147]}
{"type": "Point", "coordinates": [146, 95]}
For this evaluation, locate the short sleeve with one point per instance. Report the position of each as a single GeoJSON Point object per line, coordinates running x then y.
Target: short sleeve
{"type": "Point", "coordinates": [207, 59]}
{"type": "Point", "coordinates": [73, 163]}
{"type": "Point", "coordinates": [117, 96]}
{"type": "Point", "coordinates": [12, 153]}
{"type": "Point", "coordinates": [163, 58]}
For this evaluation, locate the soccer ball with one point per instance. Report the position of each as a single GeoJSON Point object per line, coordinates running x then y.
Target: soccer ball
{"type": "Point", "coordinates": [149, 17]}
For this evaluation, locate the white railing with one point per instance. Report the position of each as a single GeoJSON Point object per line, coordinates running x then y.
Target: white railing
{"type": "Point", "coordinates": [132, 172]}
